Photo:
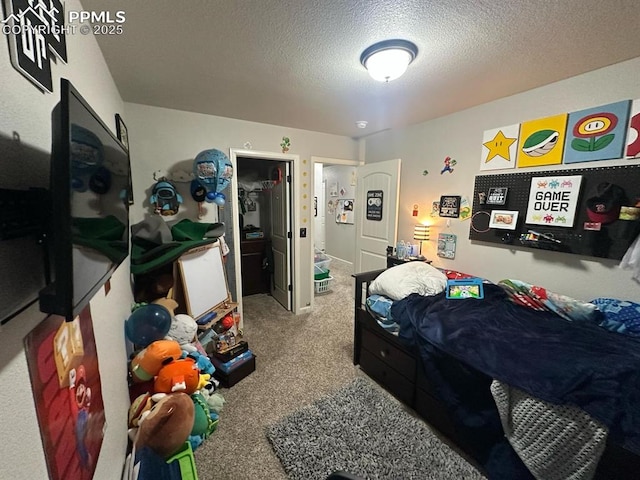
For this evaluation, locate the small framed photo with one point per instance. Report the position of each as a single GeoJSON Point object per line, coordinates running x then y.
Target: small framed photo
{"type": "Point", "coordinates": [450, 206]}
{"type": "Point", "coordinates": [504, 219]}
{"type": "Point", "coordinates": [121, 131]}
{"type": "Point", "coordinates": [497, 196]}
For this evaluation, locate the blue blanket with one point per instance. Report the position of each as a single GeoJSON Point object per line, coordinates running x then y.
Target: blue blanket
{"type": "Point", "coordinates": [538, 352]}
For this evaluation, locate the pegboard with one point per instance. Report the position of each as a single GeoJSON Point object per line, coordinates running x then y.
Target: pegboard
{"type": "Point", "coordinates": [611, 241]}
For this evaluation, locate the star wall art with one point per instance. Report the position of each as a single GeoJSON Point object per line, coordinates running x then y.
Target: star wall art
{"type": "Point", "coordinates": [499, 148]}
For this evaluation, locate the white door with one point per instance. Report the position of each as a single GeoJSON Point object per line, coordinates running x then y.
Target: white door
{"type": "Point", "coordinates": [377, 192]}
{"type": "Point", "coordinates": [281, 238]}
{"type": "Point", "coordinates": [321, 236]}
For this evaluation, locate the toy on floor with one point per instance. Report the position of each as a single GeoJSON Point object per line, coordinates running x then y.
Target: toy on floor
{"type": "Point", "coordinates": [184, 330]}
{"type": "Point", "coordinates": [205, 421]}
{"type": "Point", "coordinates": [178, 376]}
{"type": "Point", "coordinates": [167, 425]}
{"type": "Point", "coordinates": [148, 362]}
{"type": "Point", "coordinates": [202, 362]}
{"type": "Point", "coordinates": [148, 323]}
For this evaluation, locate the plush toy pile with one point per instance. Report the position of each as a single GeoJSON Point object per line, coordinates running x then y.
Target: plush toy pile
{"type": "Point", "coordinates": [170, 381]}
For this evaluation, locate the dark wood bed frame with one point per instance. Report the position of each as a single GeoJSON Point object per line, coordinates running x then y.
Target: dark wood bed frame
{"type": "Point", "coordinates": [396, 367]}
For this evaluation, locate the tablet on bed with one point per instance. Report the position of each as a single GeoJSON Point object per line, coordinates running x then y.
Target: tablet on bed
{"type": "Point", "coordinates": [465, 288]}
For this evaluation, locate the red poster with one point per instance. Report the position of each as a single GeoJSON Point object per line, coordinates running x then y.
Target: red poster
{"type": "Point", "coordinates": [65, 380]}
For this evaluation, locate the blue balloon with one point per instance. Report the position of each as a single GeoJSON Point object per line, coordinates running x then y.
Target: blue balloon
{"type": "Point", "coordinates": [220, 199]}
{"type": "Point", "coordinates": [210, 197]}
{"type": "Point", "coordinates": [147, 324]}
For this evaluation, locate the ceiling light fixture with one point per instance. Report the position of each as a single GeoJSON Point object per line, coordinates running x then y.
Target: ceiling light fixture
{"type": "Point", "coordinates": [361, 124]}
{"type": "Point", "coordinates": [389, 59]}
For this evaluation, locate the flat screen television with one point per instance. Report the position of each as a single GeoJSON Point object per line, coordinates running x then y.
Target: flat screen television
{"type": "Point", "coordinates": [89, 223]}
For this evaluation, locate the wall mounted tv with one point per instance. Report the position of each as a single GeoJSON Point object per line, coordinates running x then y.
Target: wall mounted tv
{"type": "Point", "coordinates": [89, 223]}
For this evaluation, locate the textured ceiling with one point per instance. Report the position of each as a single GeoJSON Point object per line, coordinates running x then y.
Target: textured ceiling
{"type": "Point", "coordinates": [295, 63]}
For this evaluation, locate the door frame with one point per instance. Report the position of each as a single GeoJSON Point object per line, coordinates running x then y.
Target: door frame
{"type": "Point", "coordinates": [293, 161]}
{"type": "Point", "coordinates": [325, 161]}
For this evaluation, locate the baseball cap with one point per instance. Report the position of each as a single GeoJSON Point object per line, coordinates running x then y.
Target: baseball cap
{"type": "Point", "coordinates": [603, 206]}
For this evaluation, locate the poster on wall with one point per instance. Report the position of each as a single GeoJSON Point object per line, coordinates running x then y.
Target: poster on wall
{"type": "Point", "coordinates": [499, 148]}
{"type": "Point", "coordinates": [450, 206]}
{"type": "Point", "coordinates": [542, 141]}
{"type": "Point", "coordinates": [344, 212]}
{"type": "Point", "coordinates": [597, 133]}
{"type": "Point", "coordinates": [36, 34]}
{"type": "Point", "coordinates": [65, 380]}
{"type": "Point", "coordinates": [553, 200]}
{"type": "Point", "coordinates": [374, 205]}
{"type": "Point", "coordinates": [633, 135]}
{"type": "Point", "coordinates": [446, 245]}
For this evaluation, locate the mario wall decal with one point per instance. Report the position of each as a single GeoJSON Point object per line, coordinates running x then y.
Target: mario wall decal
{"type": "Point", "coordinates": [449, 163]}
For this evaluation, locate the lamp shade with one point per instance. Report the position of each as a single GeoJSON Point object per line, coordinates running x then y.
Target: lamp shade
{"type": "Point", "coordinates": [421, 232]}
{"type": "Point", "coordinates": [388, 60]}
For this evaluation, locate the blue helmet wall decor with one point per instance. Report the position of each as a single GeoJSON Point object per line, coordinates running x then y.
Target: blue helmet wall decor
{"type": "Point", "coordinates": [165, 198]}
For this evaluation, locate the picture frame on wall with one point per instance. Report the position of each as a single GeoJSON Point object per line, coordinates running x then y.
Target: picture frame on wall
{"type": "Point", "coordinates": [504, 219]}
{"type": "Point", "coordinates": [123, 135]}
{"type": "Point", "coordinates": [450, 206]}
{"type": "Point", "coordinates": [121, 131]}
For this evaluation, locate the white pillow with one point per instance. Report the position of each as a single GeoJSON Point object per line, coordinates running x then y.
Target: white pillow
{"type": "Point", "coordinates": [407, 278]}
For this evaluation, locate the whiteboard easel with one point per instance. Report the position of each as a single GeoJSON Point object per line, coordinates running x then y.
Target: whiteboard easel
{"type": "Point", "coordinates": [204, 280]}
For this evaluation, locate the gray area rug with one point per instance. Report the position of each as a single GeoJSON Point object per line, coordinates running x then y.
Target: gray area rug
{"type": "Point", "coordinates": [365, 431]}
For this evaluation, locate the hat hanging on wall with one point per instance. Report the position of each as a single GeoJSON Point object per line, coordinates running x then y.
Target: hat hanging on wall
{"type": "Point", "coordinates": [603, 206]}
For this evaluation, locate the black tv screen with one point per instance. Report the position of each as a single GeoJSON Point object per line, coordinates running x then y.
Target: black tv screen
{"type": "Point", "coordinates": [89, 223]}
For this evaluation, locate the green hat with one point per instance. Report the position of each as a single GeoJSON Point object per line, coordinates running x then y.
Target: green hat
{"type": "Point", "coordinates": [154, 243]}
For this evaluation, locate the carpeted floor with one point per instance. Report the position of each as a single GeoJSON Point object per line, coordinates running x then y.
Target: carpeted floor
{"type": "Point", "coordinates": [367, 432]}
{"type": "Point", "coordinates": [299, 359]}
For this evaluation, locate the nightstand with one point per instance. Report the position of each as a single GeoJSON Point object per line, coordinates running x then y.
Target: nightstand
{"type": "Point", "coordinates": [393, 260]}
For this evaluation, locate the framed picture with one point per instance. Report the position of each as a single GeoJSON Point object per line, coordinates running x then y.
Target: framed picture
{"type": "Point", "coordinates": [121, 131]}
{"type": "Point", "coordinates": [497, 196]}
{"type": "Point", "coordinates": [450, 206]}
{"type": "Point", "coordinates": [123, 136]}
{"type": "Point", "coordinates": [504, 219]}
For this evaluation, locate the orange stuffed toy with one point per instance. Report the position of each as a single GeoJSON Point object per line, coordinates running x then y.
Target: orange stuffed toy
{"type": "Point", "coordinates": [179, 376]}
{"type": "Point", "coordinates": [148, 362]}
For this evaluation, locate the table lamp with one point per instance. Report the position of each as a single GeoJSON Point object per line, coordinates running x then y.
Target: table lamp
{"type": "Point", "coordinates": [421, 233]}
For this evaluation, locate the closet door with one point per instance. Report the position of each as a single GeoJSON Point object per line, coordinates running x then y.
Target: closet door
{"type": "Point", "coordinates": [281, 238]}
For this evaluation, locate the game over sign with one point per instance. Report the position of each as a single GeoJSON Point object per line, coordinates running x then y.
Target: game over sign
{"type": "Point", "coordinates": [553, 200]}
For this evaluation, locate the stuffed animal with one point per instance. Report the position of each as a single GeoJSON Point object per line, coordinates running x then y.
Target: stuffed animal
{"type": "Point", "coordinates": [205, 421]}
{"type": "Point", "coordinates": [178, 376]}
{"type": "Point", "coordinates": [184, 330]}
{"type": "Point", "coordinates": [167, 426]}
{"type": "Point", "coordinates": [148, 362]}
{"type": "Point", "coordinates": [203, 362]}
{"type": "Point", "coordinates": [214, 400]}
{"type": "Point", "coordinates": [168, 303]}
{"type": "Point", "coordinates": [141, 404]}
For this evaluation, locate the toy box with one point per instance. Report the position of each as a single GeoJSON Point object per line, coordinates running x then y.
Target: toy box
{"type": "Point", "coordinates": [237, 372]}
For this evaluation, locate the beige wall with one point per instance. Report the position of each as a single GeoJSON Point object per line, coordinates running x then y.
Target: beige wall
{"type": "Point", "coordinates": [25, 112]}
{"type": "Point", "coordinates": [168, 140]}
{"type": "Point", "coordinates": [424, 146]}
{"type": "Point", "coordinates": [339, 236]}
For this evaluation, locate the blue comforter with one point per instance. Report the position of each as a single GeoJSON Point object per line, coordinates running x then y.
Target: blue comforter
{"type": "Point", "coordinates": [538, 352]}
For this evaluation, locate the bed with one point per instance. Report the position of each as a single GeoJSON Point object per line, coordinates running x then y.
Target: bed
{"type": "Point", "coordinates": [494, 377]}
